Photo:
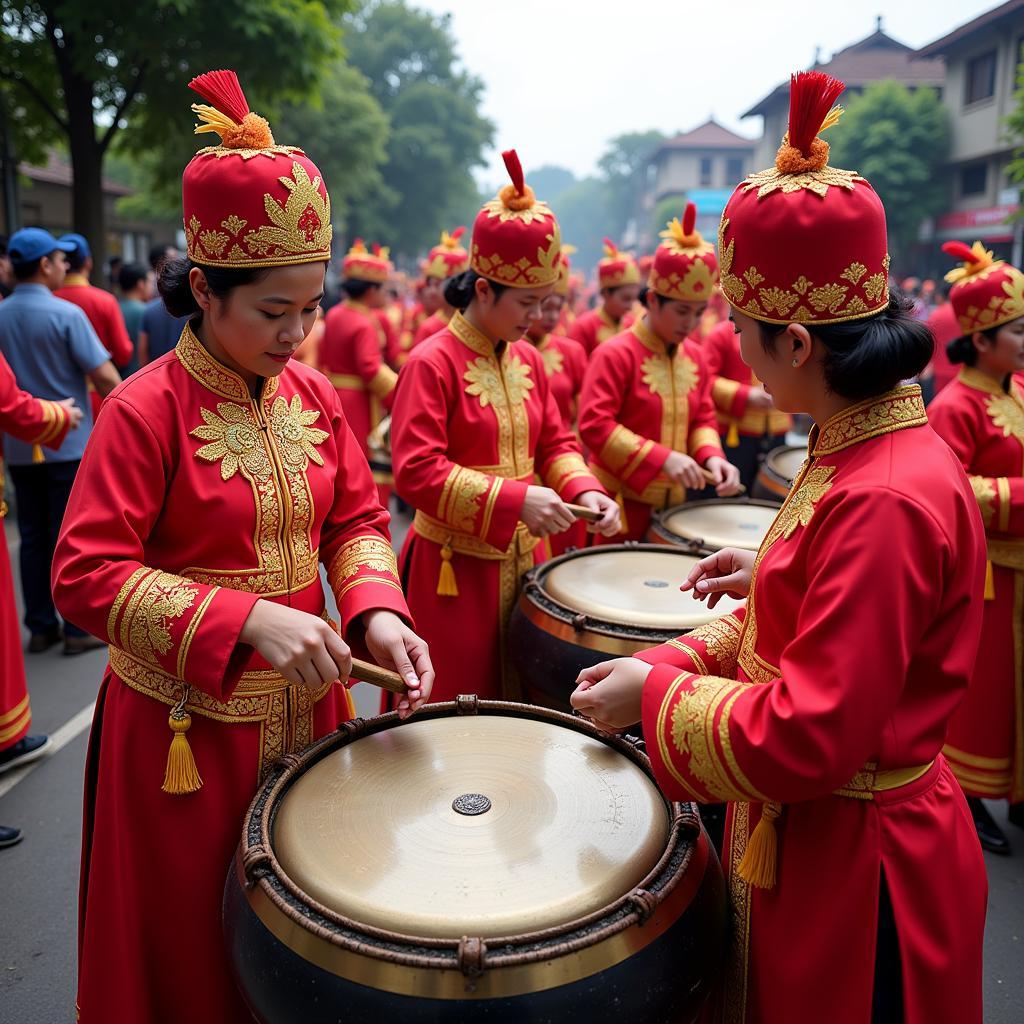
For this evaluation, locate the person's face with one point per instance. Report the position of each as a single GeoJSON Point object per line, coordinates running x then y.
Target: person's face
{"type": "Point", "coordinates": [1004, 353]}
{"type": "Point", "coordinates": [510, 315]}
{"type": "Point", "coordinates": [787, 384]}
{"type": "Point", "coordinates": [374, 297]}
{"type": "Point", "coordinates": [619, 301]}
{"type": "Point", "coordinates": [258, 327]}
{"type": "Point", "coordinates": [550, 311]}
{"type": "Point", "coordinates": [6, 271]}
{"type": "Point", "coordinates": [54, 269]}
{"type": "Point", "coordinates": [673, 321]}
{"type": "Point", "coordinates": [432, 295]}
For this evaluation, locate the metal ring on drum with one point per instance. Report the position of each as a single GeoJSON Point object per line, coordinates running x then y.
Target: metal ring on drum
{"type": "Point", "coordinates": [703, 527]}
{"type": "Point", "coordinates": [778, 471]}
{"type": "Point", "coordinates": [483, 861]}
{"type": "Point", "coordinates": [587, 606]}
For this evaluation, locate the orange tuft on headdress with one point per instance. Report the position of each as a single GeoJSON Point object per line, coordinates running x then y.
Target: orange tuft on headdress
{"type": "Point", "coordinates": [229, 116]}
{"type": "Point", "coordinates": [518, 195]}
{"type": "Point", "coordinates": [811, 95]}
{"type": "Point", "coordinates": [975, 258]}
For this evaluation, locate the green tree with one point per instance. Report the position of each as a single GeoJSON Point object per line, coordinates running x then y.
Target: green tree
{"type": "Point", "coordinates": [551, 183]}
{"type": "Point", "coordinates": [664, 211]}
{"type": "Point", "coordinates": [624, 169]}
{"type": "Point", "coordinates": [899, 140]}
{"type": "Point", "coordinates": [583, 215]}
{"type": "Point", "coordinates": [438, 135]}
{"type": "Point", "coordinates": [96, 69]}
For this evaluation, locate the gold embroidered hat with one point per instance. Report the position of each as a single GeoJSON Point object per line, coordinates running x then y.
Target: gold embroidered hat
{"type": "Point", "coordinates": [249, 202]}
{"type": "Point", "coordinates": [616, 268]}
{"type": "Point", "coordinates": [803, 241]}
{"type": "Point", "coordinates": [564, 270]}
{"type": "Point", "coordinates": [986, 292]}
{"type": "Point", "coordinates": [684, 266]}
{"type": "Point", "coordinates": [516, 240]}
{"type": "Point", "coordinates": [448, 257]}
{"type": "Point", "coordinates": [364, 264]}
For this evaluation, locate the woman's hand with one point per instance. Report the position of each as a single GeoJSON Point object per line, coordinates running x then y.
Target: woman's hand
{"type": "Point", "coordinates": [394, 645]}
{"type": "Point", "coordinates": [544, 512]}
{"type": "Point", "coordinates": [74, 413]}
{"type": "Point", "coordinates": [725, 572]}
{"type": "Point", "coordinates": [304, 648]}
{"type": "Point", "coordinates": [611, 694]}
{"type": "Point", "coordinates": [724, 475]}
{"type": "Point", "coordinates": [683, 470]}
{"type": "Point", "coordinates": [609, 524]}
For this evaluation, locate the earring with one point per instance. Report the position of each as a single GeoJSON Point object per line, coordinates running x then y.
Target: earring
{"type": "Point", "coordinates": [795, 361]}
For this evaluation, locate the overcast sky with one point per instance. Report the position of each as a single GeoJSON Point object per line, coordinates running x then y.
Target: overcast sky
{"type": "Point", "coordinates": [564, 76]}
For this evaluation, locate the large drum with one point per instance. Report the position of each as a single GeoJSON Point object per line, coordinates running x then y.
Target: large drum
{"type": "Point", "coordinates": [703, 527]}
{"type": "Point", "coordinates": [605, 602]}
{"type": "Point", "coordinates": [778, 471]}
{"type": "Point", "coordinates": [483, 862]}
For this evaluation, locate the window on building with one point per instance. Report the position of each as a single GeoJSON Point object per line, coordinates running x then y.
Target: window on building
{"type": "Point", "coordinates": [973, 179]}
{"type": "Point", "coordinates": [733, 170]}
{"type": "Point", "coordinates": [980, 83]}
{"type": "Point", "coordinates": [705, 171]}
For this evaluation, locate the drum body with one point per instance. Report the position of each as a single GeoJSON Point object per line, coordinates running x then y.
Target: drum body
{"type": "Point", "coordinates": [604, 602]}
{"type": "Point", "coordinates": [703, 527]}
{"type": "Point", "coordinates": [358, 900]}
{"type": "Point", "coordinates": [778, 471]}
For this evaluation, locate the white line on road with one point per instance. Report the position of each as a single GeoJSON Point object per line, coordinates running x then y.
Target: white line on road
{"type": "Point", "coordinates": [58, 740]}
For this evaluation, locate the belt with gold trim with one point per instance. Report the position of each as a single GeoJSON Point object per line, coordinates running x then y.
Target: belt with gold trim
{"type": "Point", "coordinates": [523, 542]}
{"type": "Point", "coordinates": [1007, 552]}
{"type": "Point", "coordinates": [869, 780]}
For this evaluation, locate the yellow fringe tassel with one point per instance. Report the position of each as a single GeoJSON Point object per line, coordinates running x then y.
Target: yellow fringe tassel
{"type": "Point", "coordinates": [37, 454]}
{"type": "Point", "coordinates": [181, 775]}
{"type": "Point", "coordinates": [623, 522]}
{"type": "Point", "coordinates": [446, 585]}
{"type": "Point", "coordinates": [990, 583]}
{"type": "Point", "coordinates": [732, 438]}
{"type": "Point", "coordinates": [759, 859]}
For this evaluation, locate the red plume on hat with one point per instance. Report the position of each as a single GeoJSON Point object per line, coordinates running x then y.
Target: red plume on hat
{"type": "Point", "coordinates": [986, 292]}
{"type": "Point", "coordinates": [684, 266]}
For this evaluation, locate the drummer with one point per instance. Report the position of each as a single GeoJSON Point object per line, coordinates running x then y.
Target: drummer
{"type": "Point", "coordinates": [474, 419]}
{"type": "Point", "coordinates": [980, 414]}
{"type": "Point", "coordinates": [858, 887]}
{"type": "Point", "coordinates": [447, 259]}
{"type": "Point", "coordinates": [619, 280]}
{"type": "Point", "coordinates": [749, 423]}
{"type": "Point", "coordinates": [428, 301]}
{"type": "Point", "coordinates": [646, 412]}
{"type": "Point", "coordinates": [215, 482]}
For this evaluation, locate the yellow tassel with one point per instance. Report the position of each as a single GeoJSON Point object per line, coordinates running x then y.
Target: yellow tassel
{"type": "Point", "coordinates": [990, 583]}
{"type": "Point", "coordinates": [759, 859]}
{"type": "Point", "coordinates": [37, 454]}
{"type": "Point", "coordinates": [181, 775]}
{"type": "Point", "coordinates": [623, 522]}
{"type": "Point", "coordinates": [732, 438]}
{"type": "Point", "coordinates": [446, 585]}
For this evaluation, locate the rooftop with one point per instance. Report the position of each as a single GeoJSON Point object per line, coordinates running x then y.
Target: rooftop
{"type": "Point", "coordinates": [57, 171]}
{"type": "Point", "coordinates": [941, 46]}
{"type": "Point", "coordinates": [709, 135]}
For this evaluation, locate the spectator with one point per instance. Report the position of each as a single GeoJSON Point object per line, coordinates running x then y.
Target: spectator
{"type": "Point", "coordinates": [114, 265]}
{"type": "Point", "coordinates": [136, 287]}
{"type": "Point", "coordinates": [6, 274]}
{"type": "Point", "coordinates": [160, 331]}
{"type": "Point", "coordinates": [53, 350]}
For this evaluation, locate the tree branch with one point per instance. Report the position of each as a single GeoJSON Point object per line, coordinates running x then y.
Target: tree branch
{"type": "Point", "coordinates": [129, 96]}
{"type": "Point", "coordinates": [36, 94]}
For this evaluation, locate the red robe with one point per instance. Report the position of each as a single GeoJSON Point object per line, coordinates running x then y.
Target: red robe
{"type": "Point", "coordinates": [470, 429]}
{"type": "Point", "coordinates": [639, 404]}
{"type": "Point", "coordinates": [593, 328]}
{"type": "Point", "coordinates": [413, 316]}
{"type": "Point", "coordinates": [827, 698]}
{"type": "Point", "coordinates": [944, 327]}
{"type": "Point", "coordinates": [193, 502]}
{"type": "Point", "coordinates": [34, 421]}
{"type": "Point", "coordinates": [433, 324]}
{"type": "Point", "coordinates": [984, 425]}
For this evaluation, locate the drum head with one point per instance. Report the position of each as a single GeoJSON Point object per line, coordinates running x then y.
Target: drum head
{"type": "Point", "coordinates": [471, 826]}
{"type": "Point", "coordinates": [787, 461]}
{"type": "Point", "coordinates": [722, 524]}
{"type": "Point", "coordinates": [632, 587]}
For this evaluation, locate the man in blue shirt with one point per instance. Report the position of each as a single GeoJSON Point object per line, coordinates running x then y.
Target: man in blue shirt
{"type": "Point", "coordinates": [53, 351]}
{"type": "Point", "coordinates": [160, 331]}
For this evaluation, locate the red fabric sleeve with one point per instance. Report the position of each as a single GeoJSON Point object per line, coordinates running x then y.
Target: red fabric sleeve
{"type": "Point", "coordinates": [704, 442]}
{"type": "Point", "coordinates": [728, 394]}
{"type": "Point", "coordinates": [29, 419]}
{"type": "Point", "coordinates": [709, 650]}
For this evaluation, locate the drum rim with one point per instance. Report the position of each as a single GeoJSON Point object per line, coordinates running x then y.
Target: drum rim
{"type": "Point", "coordinates": [269, 891]}
{"type": "Point", "coordinates": [696, 545]}
{"type": "Point", "coordinates": [772, 458]}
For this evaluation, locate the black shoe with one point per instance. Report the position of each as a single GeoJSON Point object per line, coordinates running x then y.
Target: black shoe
{"type": "Point", "coordinates": [25, 751]}
{"type": "Point", "coordinates": [80, 644]}
{"type": "Point", "coordinates": [40, 642]}
{"type": "Point", "coordinates": [990, 834]}
{"type": "Point", "coordinates": [1016, 815]}
{"type": "Point", "coordinates": [9, 836]}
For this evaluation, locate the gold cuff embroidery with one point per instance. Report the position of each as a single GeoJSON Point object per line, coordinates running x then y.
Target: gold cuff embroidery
{"type": "Point", "coordinates": [698, 661]}
{"type": "Point", "coordinates": [704, 437]}
{"type": "Point", "coordinates": [624, 451]}
{"type": "Point", "coordinates": [459, 503]}
{"type": "Point", "coordinates": [370, 554]}
{"type": "Point", "coordinates": [721, 639]}
{"type": "Point", "coordinates": [723, 393]}
{"type": "Point", "coordinates": [1003, 487]}
{"type": "Point", "coordinates": [985, 494]}
{"type": "Point", "coordinates": [158, 599]}
{"type": "Point", "coordinates": [562, 470]}
{"type": "Point", "coordinates": [383, 382]}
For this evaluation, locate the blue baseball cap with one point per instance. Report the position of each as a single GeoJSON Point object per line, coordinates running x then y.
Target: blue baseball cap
{"type": "Point", "coordinates": [30, 244]}
{"type": "Point", "coordinates": [77, 242]}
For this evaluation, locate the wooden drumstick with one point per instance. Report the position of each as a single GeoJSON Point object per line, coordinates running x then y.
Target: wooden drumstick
{"type": "Point", "coordinates": [382, 677]}
{"type": "Point", "coordinates": [588, 515]}
{"type": "Point", "coordinates": [709, 476]}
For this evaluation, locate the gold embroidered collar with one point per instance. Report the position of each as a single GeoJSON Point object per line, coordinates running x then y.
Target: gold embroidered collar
{"type": "Point", "coordinates": [899, 409]}
{"type": "Point", "coordinates": [642, 331]}
{"type": "Point", "coordinates": [359, 307]}
{"type": "Point", "coordinates": [974, 378]}
{"type": "Point", "coordinates": [214, 376]}
{"type": "Point", "coordinates": [471, 337]}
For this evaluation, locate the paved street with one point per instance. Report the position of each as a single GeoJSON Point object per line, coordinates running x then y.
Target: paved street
{"type": "Point", "coordinates": [39, 878]}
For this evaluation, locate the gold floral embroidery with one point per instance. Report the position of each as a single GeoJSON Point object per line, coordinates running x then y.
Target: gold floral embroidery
{"type": "Point", "coordinates": [772, 180]}
{"type": "Point", "coordinates": [671, 380]}
{"type": "Point", "coordinates": [233, 224]}
{"type": "Point", "coordinates": [371, 553]}
{"type": "Point", "coordinates": [903, 407]}
{"type": "Point", "coordinates": [538, 211]}
{"type": "Point", "coordinates": [554, 359]}
{"type": "Point", "coordinates": [854, 272]}
{"type": "Point", "coordinates": [752, 276]}
{"type": "Point", "coordinates": [220, 152]}
{"type": "Point", "coordinates": [214, 242]}
{"type": "Point", "coordinates": [158, 599]}
{"type": "Point", "coordinates": [487, 382]}
{"type": "Point", "coordinates": [1007, 414]}
{"type": "Point", "coordinates": [799, 510]}
{"type": "Point", "coordinates": [542, 270]}
{"type": "Point", "coordinates": [721, 638]}
{"type": "Point", "coordinates": [777, 300]}
{"type": "Point", "coordinates": [829, 296]}
{"type": "Point", "coordinates": [459, 504]}
{"type": "Point", "coordinates": [985, 493]}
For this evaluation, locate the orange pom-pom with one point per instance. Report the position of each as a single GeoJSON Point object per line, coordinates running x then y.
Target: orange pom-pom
{"type": "Point", "coordinates": [790, 160]}
{"type": "Point", "coordinates": [253, 133]}
{"type": "Point", "coordinates": [512, 198]}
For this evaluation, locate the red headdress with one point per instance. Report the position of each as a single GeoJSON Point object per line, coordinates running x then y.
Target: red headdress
{"type": "Point", "coordinates": [365, 264]}
{"type": "Point", "coordinates": [448, 257]}
{"type": "Point", "coordinates": [684, 266]}
{"type": "Point", "coordinates": [616, 268]}
{"type": "Point", "coordinates": [986, 292]}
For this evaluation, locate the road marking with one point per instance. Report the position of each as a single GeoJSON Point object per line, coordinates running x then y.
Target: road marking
{"type": "Point", "coordinates": [58, 740]}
